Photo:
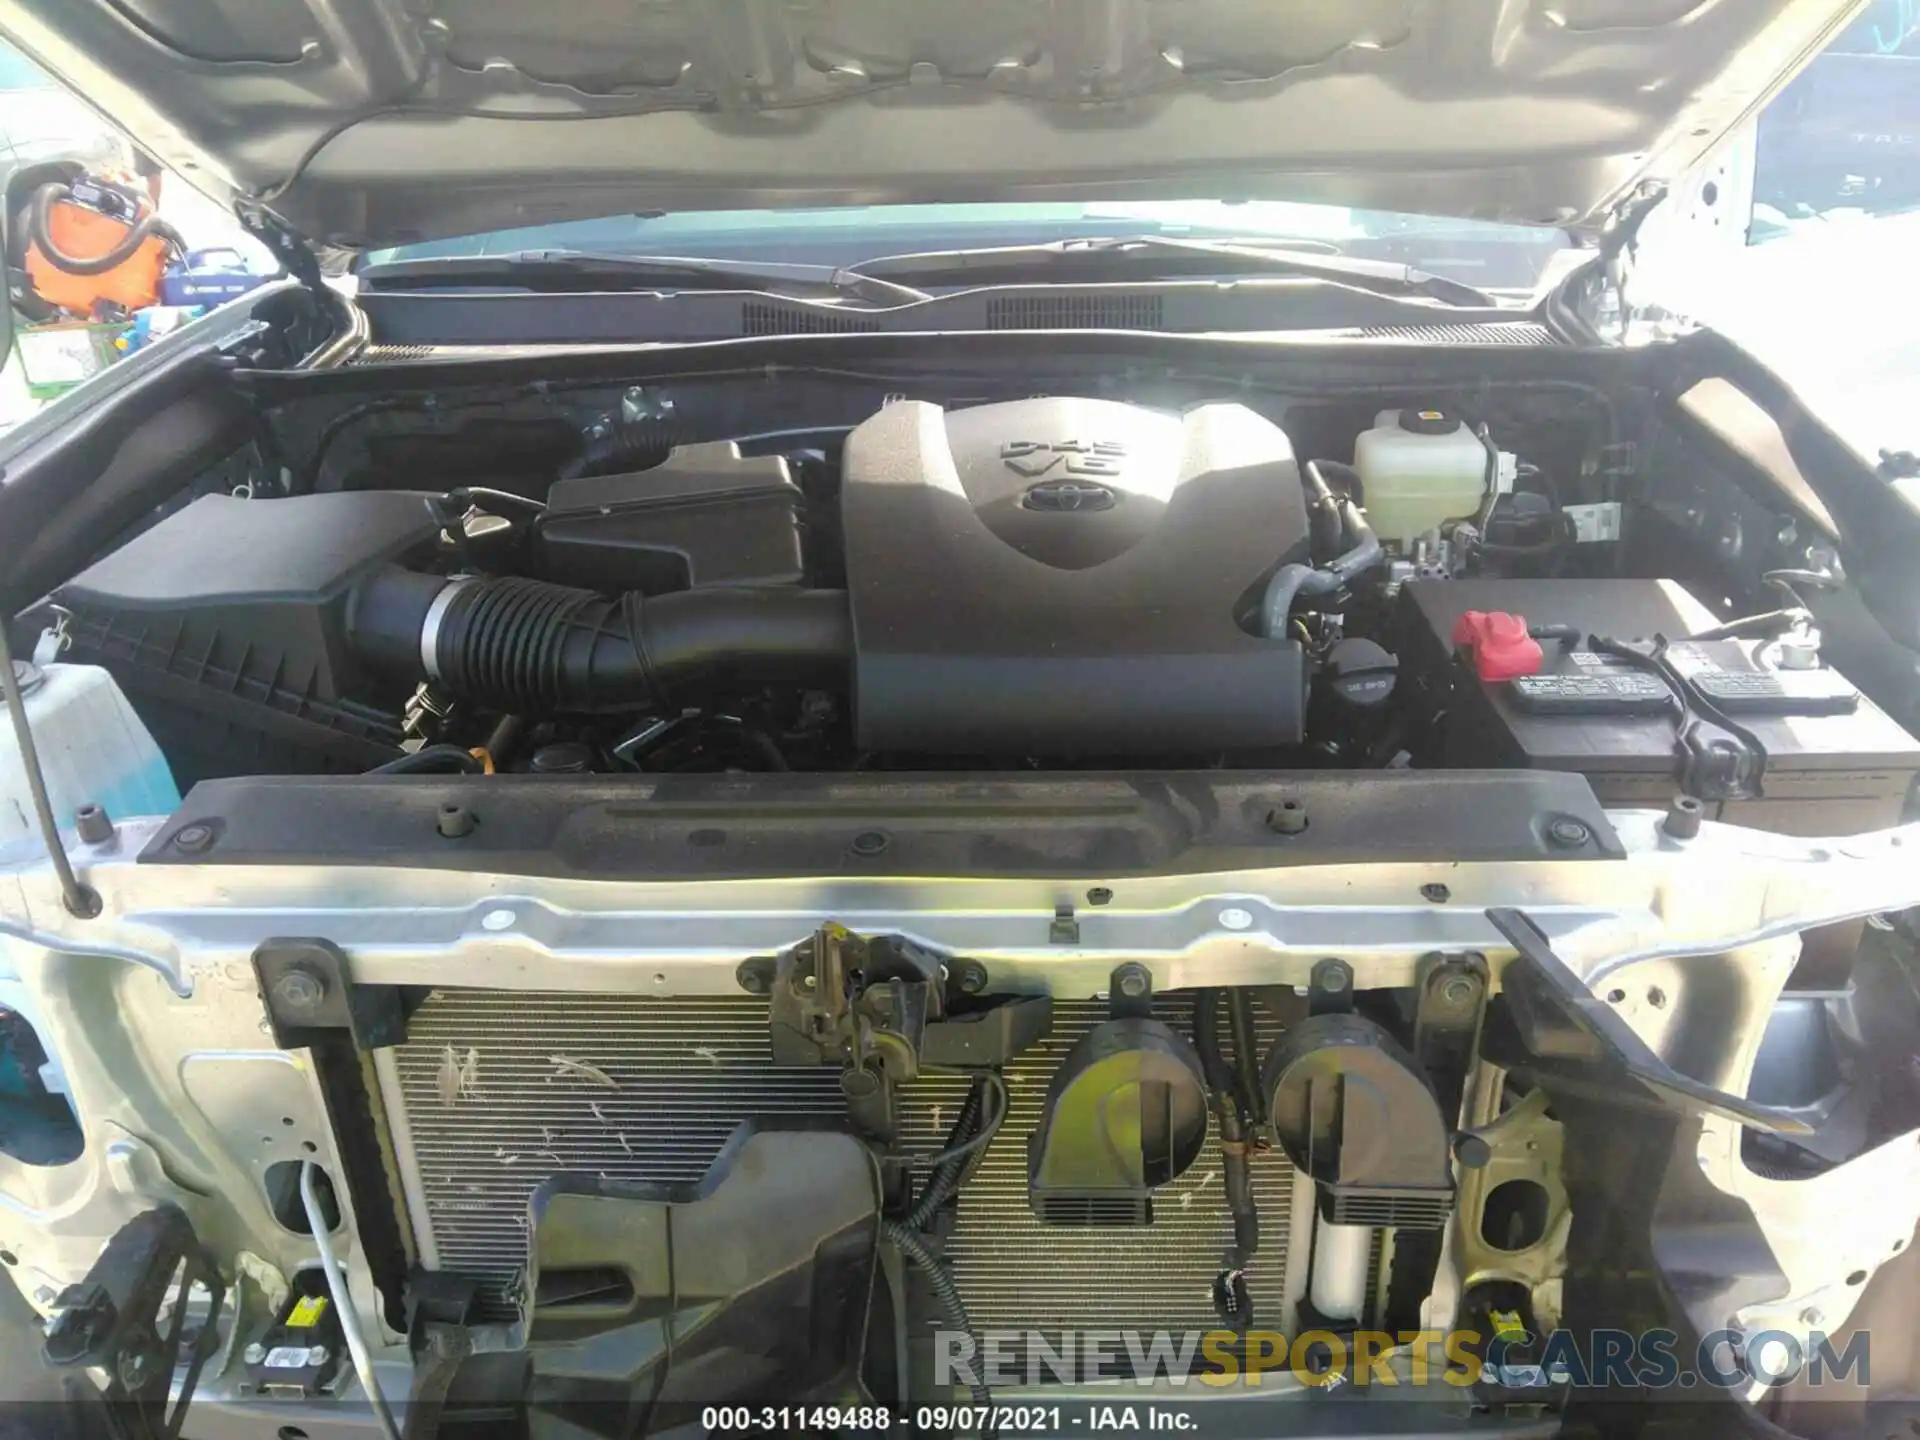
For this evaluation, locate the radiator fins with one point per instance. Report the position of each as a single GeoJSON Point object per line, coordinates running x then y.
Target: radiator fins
{"type": "Point", "coordinates": [500, 1089]}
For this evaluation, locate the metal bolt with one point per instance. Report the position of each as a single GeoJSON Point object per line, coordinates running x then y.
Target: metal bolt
{"type": "Point", "coordinates": [133, 1368]}
{"type": "Point", "coordinates": [970, 976]}
{"type": "Point", "coordinates": [1683, 817]}
{"type": "Point", "coordinates": [254, 1354]}
{"type": "Point", "coordinates": [94, 824]}
{"type": "Point", "coordinates": [1132, 980]}
{"type": "Point", "coordinates": [755, 976]}
{"type": "Point", "coordinates": [44, 1296]}
{"type": "Point", "coordinates": [1289, 817]}
{"type": "Point", "coordinates": [1333, 976]}
{"type": "Point", "coordinates": [299, 990]}
{"type": "Point", "coordinates": [1438, 894]}
{"type": "Point", "coordinates": [1811, 1317]}
{"type": "Point", "coordinates": [871, 842]}
{"type": "Point", "coordinates": [193, 838]}
{"type": "Point", "coordinates": [318, 1355]}
{"type": "Point", "coordinates": [1568, 834]}
{"type": "Point", "coordinates": [638, 403]}
{"type": "Point", "coordinates": [1459, 990]}
{"type": "Point", "coordinates": [457, 821]}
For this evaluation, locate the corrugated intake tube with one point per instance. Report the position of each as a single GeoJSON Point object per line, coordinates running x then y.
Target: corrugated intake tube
{"type": "Point", "coordinates": [530, 647]}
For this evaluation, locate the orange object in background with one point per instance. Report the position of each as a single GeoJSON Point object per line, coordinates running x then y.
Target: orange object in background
{"type": "Point", "coordinates": [73, 230]}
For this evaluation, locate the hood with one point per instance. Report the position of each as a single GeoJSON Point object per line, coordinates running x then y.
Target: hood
{"type": "Point", "coordinates": [378, 122]}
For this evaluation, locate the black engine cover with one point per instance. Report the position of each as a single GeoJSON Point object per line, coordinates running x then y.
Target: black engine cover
{"type": "Point", "coordinates": [1060, 577]}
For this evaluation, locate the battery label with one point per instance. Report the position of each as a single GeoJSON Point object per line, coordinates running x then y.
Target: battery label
{"type": "Point", "coordinates": [307, 1312]}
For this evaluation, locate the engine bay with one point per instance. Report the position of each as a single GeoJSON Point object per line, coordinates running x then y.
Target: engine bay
{"type": "Point", "coordinates": [1038, 583]}
{"type": "Point", "coordinates": [1089, 711]}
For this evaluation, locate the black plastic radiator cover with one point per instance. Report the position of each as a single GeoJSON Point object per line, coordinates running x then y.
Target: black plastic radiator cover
{"type": "Point", "coordinates": [709, 827]}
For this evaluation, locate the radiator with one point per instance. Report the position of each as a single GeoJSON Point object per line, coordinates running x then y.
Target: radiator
{"type": "Point", "coordinates": [496, 1090]}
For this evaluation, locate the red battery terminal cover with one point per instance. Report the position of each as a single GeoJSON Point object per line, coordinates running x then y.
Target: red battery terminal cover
{"type": "Point", "coordinates": [1498, 643]}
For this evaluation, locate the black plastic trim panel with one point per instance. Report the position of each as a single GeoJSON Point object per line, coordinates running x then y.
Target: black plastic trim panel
{"type": "Point", "coordinates": [1193, 307]}
{"type": "Point", "coordinates": [701, 827]}
{"type": "Point", "coordinates": [342, 1076]}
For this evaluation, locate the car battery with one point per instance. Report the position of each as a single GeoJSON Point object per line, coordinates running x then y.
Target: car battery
{"type": "Point", "coordinates": [1833, 762]}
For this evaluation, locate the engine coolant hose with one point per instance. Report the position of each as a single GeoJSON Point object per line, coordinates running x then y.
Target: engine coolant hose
{"type": "Point", "coordinates": [1290, 582]}
{"type": "Point", "coordinates": [530, 647]}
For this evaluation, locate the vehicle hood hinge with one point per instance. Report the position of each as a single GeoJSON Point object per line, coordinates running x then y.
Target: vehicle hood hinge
{"type": "Point", "coordinates": [1620, 238]}
{"type": "Point", "coordinates": [290, 248]}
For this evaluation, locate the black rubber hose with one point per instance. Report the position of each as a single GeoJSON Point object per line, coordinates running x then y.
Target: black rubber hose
{"type": "Point", "coordinates": [940, 1282]}
{"type": "Point", "coordinates": [432, 758]}
{"type": "Point", "coordinates": [1290, 582]}
{"type": "Point", "coordinates": [533, 648]}
{"type": "Point", "coordinates": [622, 447]}
{"type": "Point", "coordinates": [503, 742]}
{"type": "Point", "coordinates": [41, 234]}
{"type": "Point", "coordinates": [1365, 552]}
{"type": "Point", "coordinates": [1237, 1173]}
{"type": "Point", "coordinates": [1206, 1039]}
{"type": "Point", "coordinates": [975, 1143]}
{"type": "Point", "coordinates": [946, 1177]}
{"type": "Point", "coordinates": [1246, 1054]}
{"type": "Point", "coordinates": [1323, 516]}
{"type": "Point", "coordinates": [1228, 1103]}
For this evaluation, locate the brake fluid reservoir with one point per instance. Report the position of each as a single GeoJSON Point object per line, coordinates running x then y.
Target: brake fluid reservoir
{"type": "Point", "coordinates": [1420, 468]}
{"type": "Point", "coordinates": [93, 751]}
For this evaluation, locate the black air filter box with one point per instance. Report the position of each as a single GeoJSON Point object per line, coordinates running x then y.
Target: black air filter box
{"type": "Point", "coordinates": [224, 625]}
{"type": "Point", "coordinates": [1061, 577]}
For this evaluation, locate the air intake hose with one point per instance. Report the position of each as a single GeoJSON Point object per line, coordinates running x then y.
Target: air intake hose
{"type": "Point", "coordinates": [529, 647]}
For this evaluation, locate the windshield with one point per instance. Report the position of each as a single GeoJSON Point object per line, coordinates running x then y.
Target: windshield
{"type": "Point", "coordinates": [1844, 137]}
{"type": "Point", "coordinates": [1489, 256]}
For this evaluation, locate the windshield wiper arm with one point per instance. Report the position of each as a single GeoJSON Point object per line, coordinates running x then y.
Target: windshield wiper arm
{"type": "Point", "coordinates": [1161, 257]}
{"type": "Point", "coordinates": [563, 270]}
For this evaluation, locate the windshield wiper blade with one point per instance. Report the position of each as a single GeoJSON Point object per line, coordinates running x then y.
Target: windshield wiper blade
{"type": "Point", "coordinates": [1133, 257]}
{"type": "Point", "coordinates": [564, 270]}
